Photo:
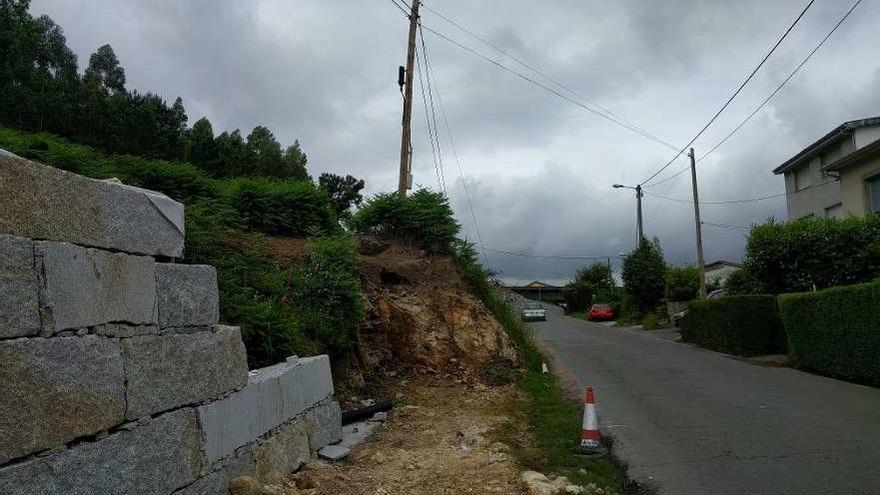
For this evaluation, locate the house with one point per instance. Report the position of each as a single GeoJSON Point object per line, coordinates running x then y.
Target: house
{"type": "Point", "coordinates": [718, 271]}
{"type": "Point", "coordinates": [836, 176]}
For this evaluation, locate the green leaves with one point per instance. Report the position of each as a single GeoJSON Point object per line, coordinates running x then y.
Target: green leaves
{"type": "Point", "coordinates": [282, 207]}
{"type": "Point", "coordinates": [424, 216]}
{"type": "Point", "coordinates": [741, 325]}
{"type": "Point", "coordinates": [800, 255]}
{"type": "Point", "coordinates": [644, 275]}
{"type": "Point", "coordinates": [682, 284]}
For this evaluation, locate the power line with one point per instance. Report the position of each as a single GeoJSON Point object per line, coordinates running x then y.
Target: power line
{"type": "Point", "coordinates": [734, 95]}
{"type": "Point", "coordinates": [542, 74]}
{"type": "Point", "coordinates": [771, 95]}
{"type": "Point", "coordinates": [405, 11]}
{"type": "Point", "coordinates": [433, 111]}
{"type": "Point", "coordinates": [547, 256]}
{"type": "Point", "coordinates": [726, 202]}
{"type": "Point", "coordinates": [428, 124]}
{"type": "Point", "coordinates": [551, 90]}
{"type": "Point", "coordinates": [726, 226]}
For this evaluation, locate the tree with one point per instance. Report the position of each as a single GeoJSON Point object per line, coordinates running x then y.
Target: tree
{"type": "Point", "coordinates": [578, 295]}
{"type": "Point", "coordinates": [232, 154]}
{"type": "Point", "coordinates": [644, 274]}
{"type": "Point", "coordinates": [266, 152]}
{"type": "Point", "coordinates": [344, 192]}
{"type": "Point", "coordinates": [682, 284]}
{"type": "Point", "coordinates": [295, 163]}
{"type": "Point", "coordinates": [201, 150]}
{"type": "Point", "coordinates": [104, 72]}
{"type": "Point", "coordinates": [598, 275]}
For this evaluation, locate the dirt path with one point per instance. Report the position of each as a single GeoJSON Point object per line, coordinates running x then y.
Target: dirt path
{"type": "Point", "coordinates": [442, 441]}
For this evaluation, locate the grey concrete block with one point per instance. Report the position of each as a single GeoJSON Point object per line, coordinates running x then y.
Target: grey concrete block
{"type": "Point", "coordinates": [325, 424]}
{"type": "Point", "coordinates": [42, 202]}
{"type": "Point", "coordinates": [167, 371]}
{"type": "Point", "coordinates": [19, 289]}
{"type": "Point", "coordinates": [188, 295]}
{"type": "Point", "coordinates": [156, 458]}
{"type": "Point", "coordinates": [283, 452]}
{"type": "Point", "coordinates": [334, 452]}
{"type": "Point", "coordinates": [272, 396]}
{"type": "Point", "coordinates": [87, 287]}
{"type": "Point", "coordinates": [55, 390]}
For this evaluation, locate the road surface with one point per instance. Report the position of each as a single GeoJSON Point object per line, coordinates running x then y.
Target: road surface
{"type": "Point", "coordinates": [691, 421]}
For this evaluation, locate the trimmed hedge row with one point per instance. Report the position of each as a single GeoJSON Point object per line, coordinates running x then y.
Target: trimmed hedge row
{"type": "Point", "coordinates": [741, 325]}
{"type": "Point", "coordinates": [835, 332]}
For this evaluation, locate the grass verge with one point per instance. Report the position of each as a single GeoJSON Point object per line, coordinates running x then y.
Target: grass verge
{"type": "Point", "coordinates": [553, 421]}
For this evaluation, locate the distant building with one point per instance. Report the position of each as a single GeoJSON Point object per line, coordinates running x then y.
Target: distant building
{"type": "Point", "coordinates": [538, 291]}
{"type": "Point", "coordinates": [836, 176]}
{"type": "Point", "coordinates": [718, 271]}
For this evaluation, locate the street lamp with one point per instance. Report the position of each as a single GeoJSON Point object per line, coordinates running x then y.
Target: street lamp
{"type": "Point", "coordinates": [638, 190]}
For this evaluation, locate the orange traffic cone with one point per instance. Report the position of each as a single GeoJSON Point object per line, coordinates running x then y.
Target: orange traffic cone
{"type": "Point", "coordinates": [590, 435]}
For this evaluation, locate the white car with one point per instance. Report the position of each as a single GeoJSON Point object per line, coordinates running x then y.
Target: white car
{"type": "Point", "coordinates": [533, 312]}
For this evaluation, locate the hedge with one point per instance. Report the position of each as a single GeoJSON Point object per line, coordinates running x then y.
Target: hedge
{"type": "Point", "coordinates": [742, 325]}
{"type": "Point", "coordinates": [835, 332]}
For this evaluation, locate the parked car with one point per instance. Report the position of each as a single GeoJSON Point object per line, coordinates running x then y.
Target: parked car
{"type": "Point", "coordinates": [600, 312]}
{"type": "Point", "coordinates": [533, 312]}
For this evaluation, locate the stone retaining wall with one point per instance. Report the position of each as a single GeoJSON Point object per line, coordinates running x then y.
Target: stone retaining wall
{"type": "Point", "coordinates": [115, 376]}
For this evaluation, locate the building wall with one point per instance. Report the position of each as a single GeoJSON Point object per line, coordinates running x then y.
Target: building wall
{"type": "Point", "coordinates": [719, 275]}
{"type": "Point", "coordinates": [852, 184]}
{"type": "Point", "coordinates": [813, 200]}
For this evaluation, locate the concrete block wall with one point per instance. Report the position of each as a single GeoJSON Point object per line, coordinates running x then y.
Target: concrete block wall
{"type": "Point", "coordinates": [115, 376]}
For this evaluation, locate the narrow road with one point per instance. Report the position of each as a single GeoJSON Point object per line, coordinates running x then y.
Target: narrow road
{"type": "Point", "coordinates": [690, 421]}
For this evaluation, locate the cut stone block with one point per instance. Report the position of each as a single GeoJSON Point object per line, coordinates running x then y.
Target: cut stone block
{"type": "Point", "coordinates": [43, 202]}
{"type": "Point", "coordinates": [217, 481]}
{"type": "Point", "coordinates": [156, 458]}
{"type": "Point", "coordinates": [334, 452]}
{"type": "Point", "coordinates": [325, 424]}
{"type": "Point", "coordinates": [55, 390]}
{"type": "Point", "coordinates": [167, 371]}
{"type": "Point", "coordinates": [19, 290]}
{"type": "Point", "coordinates": [188, 295]}
{"type": "Point", "coordinates": [86, 287]}
{"type": "Point", "coordinates": [272, 396]}
{"type": "Point", "coordinates": [283, 452]}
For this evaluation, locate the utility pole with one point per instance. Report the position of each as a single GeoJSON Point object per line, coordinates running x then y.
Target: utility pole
{"type": "Point", "coordinates": [406, 137]}
{"type": "Point", "coordinates": [701, 263]}
{"type": "Point", "coordinates": [639, 214]}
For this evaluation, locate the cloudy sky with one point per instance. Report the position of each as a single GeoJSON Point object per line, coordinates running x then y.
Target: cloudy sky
{"type": "Point", "coordinates": [539, 169]}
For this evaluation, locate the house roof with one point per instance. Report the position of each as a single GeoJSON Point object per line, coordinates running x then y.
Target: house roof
{"type": "Point", "coordinates": [537, 283]}
{"type": "Point", "coordinates": [837, 134]}
{"type": "Point", "coordinates": [721, 264]}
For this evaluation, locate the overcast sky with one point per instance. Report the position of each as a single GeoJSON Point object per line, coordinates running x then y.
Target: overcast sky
{"type": "Point", "coordinates": [539, 169]}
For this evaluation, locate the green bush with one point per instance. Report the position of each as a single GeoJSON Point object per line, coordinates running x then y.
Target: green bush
{"type": "Point", "coordinates": [835, 332]}
{"type": "Point", "coordinates": [682, 284]}
{"type": "Point", "coordinates": [424, 216]}
{"type": "Point", "coordinates": [650, 322]}
{"type": "Point", "coordinates": [578, 295]}
{"type": "Point", "coordinates": [741, 325]}
{"type": "Point", "coordinates": [278, 207]}
{"type": "Point", "coordinates": [813, 254]}
{"type": "Point", "coordinates": [326, 293]}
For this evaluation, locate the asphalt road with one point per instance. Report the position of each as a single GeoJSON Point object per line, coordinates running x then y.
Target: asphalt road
{"type": "Point", "coordinates": [691, 421]}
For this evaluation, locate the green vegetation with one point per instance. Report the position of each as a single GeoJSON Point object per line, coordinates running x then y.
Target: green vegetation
{"type": "Point", "coordinates": [644, 275]}
{"type": "Point", "coordinates": [423, 216]}
{"type": "Point", "coordinates": [742, 325]}
{"type": "Point", "coordinates": [835, 332]}
{"type": "Point", "coordinates": [682, 284]}
{"type": "Point", "coordinates": [282, 310]}
{"type": "Point", "coordinates": [591, 284]}
{"type": "Point", "coordinates": [811, 254]}
{"type": "Point", "coordinates": [41, 89]}
{"type": "Point", "coordinates": [554, 421]}
{"type": "Point", "coordinates": [651, 322]}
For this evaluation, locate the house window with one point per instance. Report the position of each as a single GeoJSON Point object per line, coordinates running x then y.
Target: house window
{"type": "Point", "coordinates": [802, 178]}
{"type": "Point", "coordinates": [873, 193]}
{"type": "Point", "coordinates": [834, 211]}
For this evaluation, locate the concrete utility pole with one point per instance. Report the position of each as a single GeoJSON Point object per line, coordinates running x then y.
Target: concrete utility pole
{"type": "Point", "coordinates": [406, 137]}
{"type": "Point", "coordinates": [639, 213]}
{"type": "Point", "coordinates": [701, 263]}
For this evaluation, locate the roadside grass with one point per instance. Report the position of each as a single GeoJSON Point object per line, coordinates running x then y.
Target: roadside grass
{"type": "Point", "coordinates": [547, 429]}
{"type": "Point", "coordinates": [580, 315]}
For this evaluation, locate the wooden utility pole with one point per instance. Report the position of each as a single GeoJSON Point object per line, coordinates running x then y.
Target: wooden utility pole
{"type": "Point", "coordinates": [639, 214]}
{"type": "Point", "coordinates": [406, 137]}
{"type": "Point", "coordinates": [701, 263]}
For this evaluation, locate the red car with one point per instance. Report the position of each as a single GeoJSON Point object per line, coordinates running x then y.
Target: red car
{"type": "Point", "coordinates": [600, 312]}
